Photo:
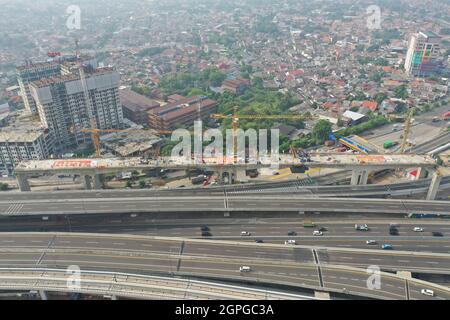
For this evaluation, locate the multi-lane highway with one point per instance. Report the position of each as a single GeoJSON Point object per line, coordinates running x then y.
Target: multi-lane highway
{"type": "Point", "coordinates": [297, 186]}
{"type": "Point", "coordinates": [223, 203]}
{"type": "Point", "coordinates": [340, 229]}
{"type": "Point", "coordinates": [294, 266]}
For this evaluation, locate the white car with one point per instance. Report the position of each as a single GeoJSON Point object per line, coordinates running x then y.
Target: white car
{"type": "Point", "coordinates": [362, 227]}
{"type": "Point", "coordinates": [371, 242]}
{"type": "Point", "coordinates": [427, 292]}
{"type": "Point", "coordinates": [245, 233]}
{"type": "Point", "coordinates": [317, 233]}
{"type": "Point", "coordinates": [290, 242]}
{"type": "Point", "coordinates": [245, 269]}
{"type": "Point", "coordinates": [418, 229]}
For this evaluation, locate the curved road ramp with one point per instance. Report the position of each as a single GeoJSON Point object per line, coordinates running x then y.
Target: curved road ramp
{"type": "Point", "coordinates": [137, 286]}
{"type": "Point", "coordinates": [144, 263]}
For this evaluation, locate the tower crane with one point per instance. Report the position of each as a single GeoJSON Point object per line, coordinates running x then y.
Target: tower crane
{"type": "Point", "coordinates": [236, 117]}
{"type": "Point", "coordinates": [408, 122]}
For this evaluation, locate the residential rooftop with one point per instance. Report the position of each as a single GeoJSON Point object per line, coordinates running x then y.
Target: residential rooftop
{"type": "Point", "coordinates": [22, 127]}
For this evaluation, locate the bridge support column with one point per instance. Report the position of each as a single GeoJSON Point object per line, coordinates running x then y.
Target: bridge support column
{"type": "Point", "coordinates": [22, 181]}
{"type": "Point", "coordinates": [434, 186]}
{"type": "Point", "coordinates": [220, 176]}
{"type": "Point", "coordinates": [421, 173]}
{"type": "Point", "coordinates": [235, 176]}
{"type": "Point", "coordinates": [364, 177]}
{"type": "Point", "coordinates": [43, 295]}
{"type": "Point", "coordinates": [230, 177]}
{"type": "Point", "coordinates": [355, 177]}
{"type": "Point", "coordinates": [359, 177]}
{"type": "Point", "coordinates": [87, 182]}
{"type": "Point", "coordinates": [97, 181]}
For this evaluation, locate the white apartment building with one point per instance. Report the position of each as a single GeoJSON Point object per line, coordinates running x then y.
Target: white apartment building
{"type": "Point", "coordinates": [23, 138]}
{"type": "Point", "coordinates": [32, 72]}
{"type": "Point", "coordinates": [63, 109]}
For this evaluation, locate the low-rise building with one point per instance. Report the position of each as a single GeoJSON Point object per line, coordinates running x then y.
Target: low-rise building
{"type": "Point", "coordinates": [136, 106]}
{"type": "Point", "coordinates": [236, 86]}
{"type": "Point", "coordinates": [354, 117]}
{"type": "Point", "coordinates": [182, 112]}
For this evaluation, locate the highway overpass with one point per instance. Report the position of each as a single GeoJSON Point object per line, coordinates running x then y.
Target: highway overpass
{"type": "Point", "coordinates": [316, 268]}
{"type": "Point", "coordinates": [131, 285]}
{"type": "Point", "coordinates": [92, 169]}
{"type": "Point", "coordinates": [298, 187]}
{"type": "Point", "coordinates": [226, 203]}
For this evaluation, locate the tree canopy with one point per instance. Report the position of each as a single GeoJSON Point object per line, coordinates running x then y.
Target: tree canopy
{"type": "Point", "coordinates": [321, 131]}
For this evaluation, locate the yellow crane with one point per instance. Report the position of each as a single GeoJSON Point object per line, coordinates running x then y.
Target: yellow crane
{"type": "Point", "coordinates": [408, 122]}
{"type": "Point", "coordinates": [236, 117]}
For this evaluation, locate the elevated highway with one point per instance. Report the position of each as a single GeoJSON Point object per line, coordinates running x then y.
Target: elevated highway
{"type": "Point", "coordinates": [92, 169]}
{"type": "Point", "coordinates": [317, 268]}
{"type": "Point", "coordinates": [317, 160]}
{"type": "Point", "coordinates": [136, 286]}
{"type": "Point", "coordinates": [224, 203]}
{"type": "Point", "coordinates": [297, 186]}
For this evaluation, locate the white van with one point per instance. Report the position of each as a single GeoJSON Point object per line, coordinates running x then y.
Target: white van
{"type": "Point", "coordinates": [427, 292]}
{"type": "Point", "coordinates": [290, 242]}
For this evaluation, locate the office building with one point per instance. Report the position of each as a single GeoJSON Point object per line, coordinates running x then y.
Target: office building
{"type": "Point", "coordinates": [422, 58]}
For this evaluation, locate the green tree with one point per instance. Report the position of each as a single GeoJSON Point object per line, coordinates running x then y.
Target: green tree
{"type": "Point", "coordinates": [3, 186]}
{"type": "Point", "coordinates": [196, 92]}
{"type": "Point", "coordinates": [142, 183]}
{"type": "Point", "coordinates": [379, 97]}
{"type": "Point", "coordinates": [321, 131]}
{"type": "Point", "coordinates": [401, 92]}
{"type": "Point", "coordinates": [129, 184]}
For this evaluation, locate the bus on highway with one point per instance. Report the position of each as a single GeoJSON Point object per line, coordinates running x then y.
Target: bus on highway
{"type": "Point", "coordinates": [423, 215]}
{"type": "Point", "coordinates": [308, 224]}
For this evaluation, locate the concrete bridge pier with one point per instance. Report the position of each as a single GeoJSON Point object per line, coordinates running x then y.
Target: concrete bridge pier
{"type": "Point", "coordinates": [234, 175]}
{"type": "Point", "coordinates": [220, 176]}
{"type": "Point", "coordinates": [434, 186]}
{"type": "Point", "coordinates": [22, 181]}
{"type": "Point", "coordinates": [359, 177]}
{"type": "Point", "coordinates": [98, 184]}
{"type": "Point", "coordinates": [87, 182]}
{"type": "Point", "coordinates": [422, 173]}
{"type": "Point", "coordinates": [43, 295]}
